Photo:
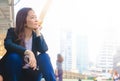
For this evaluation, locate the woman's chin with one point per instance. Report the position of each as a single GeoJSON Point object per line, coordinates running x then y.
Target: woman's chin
{"type": "Point", "coordinates": [35, 28]}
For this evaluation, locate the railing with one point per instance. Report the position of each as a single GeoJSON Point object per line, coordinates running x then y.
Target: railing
{"type": "Point", "coordinates": [72, 75]}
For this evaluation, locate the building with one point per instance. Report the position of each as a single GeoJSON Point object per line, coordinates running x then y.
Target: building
{"type": "Point", "coordinates": [105, 57]}
{"type": "Point", "coordinates": [65, 49]}
{"type": "Point", "coordinates": [6, 20]}
{"type": "Point", "coordinates": [68, 50]}
{"type": "Point", "coordinates": [82, 53]}
{"type": "Point", "coordinates": [74, 49]}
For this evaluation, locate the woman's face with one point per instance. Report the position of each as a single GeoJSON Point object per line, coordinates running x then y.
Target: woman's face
{"type": "Point", "coordinates": [31, 20]}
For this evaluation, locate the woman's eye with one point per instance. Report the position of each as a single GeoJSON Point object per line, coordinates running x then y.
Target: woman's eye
{"type": "Point", "coordinates": [33, 17]}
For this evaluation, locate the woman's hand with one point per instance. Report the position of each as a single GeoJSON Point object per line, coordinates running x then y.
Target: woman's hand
{"type": "Point", "coordinates": [32, 60]}
{"type": "Point", "coordinates": [38, 30]}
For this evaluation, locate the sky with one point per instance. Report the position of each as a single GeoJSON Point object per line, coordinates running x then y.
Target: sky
{"type": "Point", "coordinates": [99, 20]}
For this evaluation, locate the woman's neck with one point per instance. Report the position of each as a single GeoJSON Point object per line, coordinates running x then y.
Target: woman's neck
{"type": "Point", "coordinates": [28, 34]}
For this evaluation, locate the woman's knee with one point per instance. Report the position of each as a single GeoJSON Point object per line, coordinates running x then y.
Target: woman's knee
{"type": "Point", "coordinates": [13, 64]}
{"type": "Point", "coordinates": [44, 62]}
{"type": "Point", "coordinates": [14, 58]}
{"type": "Point", "coordinates": [43, 56]}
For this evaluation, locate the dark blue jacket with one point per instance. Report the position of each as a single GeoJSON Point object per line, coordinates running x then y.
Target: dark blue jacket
{"type": "Point", "coordinates": [11, 46]}
{"type": "Point", "coordinates": [38, 43]}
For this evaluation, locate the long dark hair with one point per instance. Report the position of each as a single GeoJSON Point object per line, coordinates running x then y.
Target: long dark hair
{"type": "Point", "coordinates": [20, 24]}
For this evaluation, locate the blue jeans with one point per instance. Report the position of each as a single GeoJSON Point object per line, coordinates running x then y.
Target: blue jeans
{"type": "Point", "coordinates": [45, 67]}
{"type": "Point", "coordinates": [13, 71]}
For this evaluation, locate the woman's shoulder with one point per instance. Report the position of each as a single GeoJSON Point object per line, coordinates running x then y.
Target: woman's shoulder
{"type": "Point", "coordinates": [11, 29]}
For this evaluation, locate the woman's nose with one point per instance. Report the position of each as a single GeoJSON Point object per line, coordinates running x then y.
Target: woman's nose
{"type": "Point", "coordinates": [36, 19]}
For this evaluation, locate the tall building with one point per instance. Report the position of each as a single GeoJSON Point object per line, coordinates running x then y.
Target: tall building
{"type": "Point", "coordinates": [105, 57]}
{"type": "Point", "coordinates": [68, 50]}
{"type": "Point", "coordinates": [74, 49]}
{"type": "Point", "coordinates": [82, 53]}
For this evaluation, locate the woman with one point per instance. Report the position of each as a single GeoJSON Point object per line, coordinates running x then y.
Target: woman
{"type": "Point", "coordinates": [26, 40]}
{"type": "Point", "coordinates": [116, 76]}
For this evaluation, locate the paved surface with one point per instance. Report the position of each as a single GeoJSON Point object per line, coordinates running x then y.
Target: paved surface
{"type": "Point", "coordinates": [71, 80]}
{"type": "Point", "coordinates": [78, 80]}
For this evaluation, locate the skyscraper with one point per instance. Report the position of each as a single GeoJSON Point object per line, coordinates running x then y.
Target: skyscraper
{"type": "Point", "coordinates": [105, 57]}
{"type": "Point", "coordinates": [74, 49]}
{"type": "Point", "coordinates": [68, 50]}
{"type": "Point", "coordinates": [82, 53]}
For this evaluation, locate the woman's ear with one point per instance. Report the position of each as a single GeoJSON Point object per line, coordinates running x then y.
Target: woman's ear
{"type": "Point", "coordinates": [25, 25]}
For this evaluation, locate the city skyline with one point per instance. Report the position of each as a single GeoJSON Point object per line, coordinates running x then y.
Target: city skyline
{"type": "Point", "coordinates": [99, 21]}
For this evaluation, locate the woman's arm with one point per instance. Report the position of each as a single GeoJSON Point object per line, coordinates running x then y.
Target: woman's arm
{"type": "Point", "coordinates": [9, 43]}
{"type": "Point", "coordinates": [41, 44]}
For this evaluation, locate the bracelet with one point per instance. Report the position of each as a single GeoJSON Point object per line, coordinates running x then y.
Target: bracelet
{"type": "Point", "coordinates": [26, 52]}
